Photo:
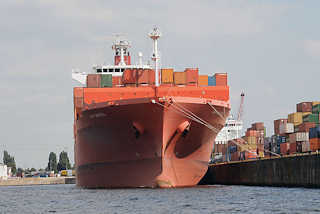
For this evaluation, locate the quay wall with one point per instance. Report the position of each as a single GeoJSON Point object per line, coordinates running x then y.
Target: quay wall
{"type": "Point", "coordinates": [289, 171]}
{"type": "Point", "coordinates": [37, 181]}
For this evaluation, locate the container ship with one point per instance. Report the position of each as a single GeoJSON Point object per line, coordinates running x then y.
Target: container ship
{"type": "Point", "coordinates": [145, 126]}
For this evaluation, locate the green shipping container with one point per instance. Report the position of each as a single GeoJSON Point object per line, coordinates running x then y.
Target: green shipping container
{"type": "Point", "coordinates": [311, 118]}
{"type": "Point", "coordinates": [106, 80]}
{"type": "Point", "coordinates": [316, 109]}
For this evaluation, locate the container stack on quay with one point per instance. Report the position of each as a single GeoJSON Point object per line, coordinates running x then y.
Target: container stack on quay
{"type": "Point", "coordinates": [146, 77]}
{"type": "Point", "coordinates": [299, 132]}
{"type": "Point", "coordinates": [250, 146]}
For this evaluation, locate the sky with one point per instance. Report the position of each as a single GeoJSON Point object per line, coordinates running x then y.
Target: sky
{"type": "Point", "coordinates": [270, 50]}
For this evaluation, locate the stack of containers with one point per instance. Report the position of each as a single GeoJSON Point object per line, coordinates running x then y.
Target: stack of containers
{"type": "Point", "coordinates": [233, 150]}
{"type": "Point", "coordinates": [314, 135]}
{"type": "Point", "coordinates": [99, 80]}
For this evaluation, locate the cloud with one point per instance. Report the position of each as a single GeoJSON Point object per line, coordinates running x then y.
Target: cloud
{"type": "Point", "coordinates": [312, 48]}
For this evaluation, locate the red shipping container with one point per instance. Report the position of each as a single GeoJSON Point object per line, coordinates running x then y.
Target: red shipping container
{"type": "Point", "coordinates": [94, 80]}
{"type": "Point", "coordinates": [192, 75]}
{"type": "Point", "coordinates": [129, 76]}
{"type": "Point", "coordinates": [258, 126]}
{"type": "Point", "coordinates": [284, 148]}
{"type": "Point", "coordinates": [146, 76]}
{"type": "Point", "coordinates": [116, 81]}
{"type": "Point", "coordinates": [314, 144]}
{"type": "Point", "coordinates": [293, 148]}
{"type": "Point", "coordinates": [252, 133]}
{"type": "Point", "coordinates": [221, 79]}
{"type": "Point", "coordinates": [304, 127]}
{"type": "Point", "coordinates": [304, 107]}
{"type": "Point", "coordinates": [277, 124]}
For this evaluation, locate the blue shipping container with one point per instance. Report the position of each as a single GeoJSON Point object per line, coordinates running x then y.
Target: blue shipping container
{"type": "Point", "coordinates": [314, 132]}
{"type": "Point", "coordinates": [211, 81]}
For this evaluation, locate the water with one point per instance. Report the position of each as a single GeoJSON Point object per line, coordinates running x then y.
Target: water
{"type": "Point", "coordinates": [208, 199]}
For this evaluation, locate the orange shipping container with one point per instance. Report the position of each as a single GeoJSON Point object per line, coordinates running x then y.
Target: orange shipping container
{"type": "Point", "coordinates": [284, 148]}
{"type": "Point", "coordinates": [145, 76]}
{"type": "Point", "coordinates": [116, 81]}
{"type": "Point", "coordinates": [192, 75]}
{"type": "Point", "coordinates": [129, 76]}
{"type": "Point", "coordinates": [203, 80]}
{"type": "Point", "coordinates": [167, 76]}
{"type": "Point", "coordinates": [221, 79]}
{"type": "Point", "coordinates": [94, 81]}
{"type": "Point", "coordinates": [314, 144]}
{"type": "Point", "coordinates": [179, 78]}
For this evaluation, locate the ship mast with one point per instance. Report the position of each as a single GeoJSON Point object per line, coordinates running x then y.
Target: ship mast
{"type": "Point", "coordinates": [155, 35]}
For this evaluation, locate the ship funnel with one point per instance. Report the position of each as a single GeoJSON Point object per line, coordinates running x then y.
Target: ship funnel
{"type": "Point", "coordinates": [155, 34]}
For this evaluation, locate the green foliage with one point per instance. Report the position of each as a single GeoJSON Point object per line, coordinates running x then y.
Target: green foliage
{"type": "Point", "coordinates": [63, 161]}
{"type": "Point", "coordinates": [52, 164]}
{"type": "Point", "coordinates": [9, 161]}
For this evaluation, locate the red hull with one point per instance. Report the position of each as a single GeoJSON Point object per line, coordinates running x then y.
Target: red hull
{"type": "Point", "coordinates": [144, 144]}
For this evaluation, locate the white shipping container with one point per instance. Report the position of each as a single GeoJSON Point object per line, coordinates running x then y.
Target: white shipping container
{"type": "Point", "coordinates": [299, 137]}
{"type": "Point", "coordinates": [286, 128]}
{"type": "Point", "coordinates": [305, 146]}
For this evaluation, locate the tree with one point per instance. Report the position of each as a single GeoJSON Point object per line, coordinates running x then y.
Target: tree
{"type": "Point", "coordinates": [52, 164]}
{"type": "Point", "coordinates": [9, 161]}
{"type": "Point", "coordinates": [63, 161]}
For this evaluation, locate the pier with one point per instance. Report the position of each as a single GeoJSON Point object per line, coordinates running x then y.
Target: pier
{"type": "Point", "coordinates": [300, 170]}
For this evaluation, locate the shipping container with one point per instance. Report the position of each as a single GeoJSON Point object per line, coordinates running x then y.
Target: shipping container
{"type": "Point", "coordinates": [251, 132]}
{"type": "Point", "coordinates": [250, 139]}
{"type": "Point", "coordinates": [316, 109]}
{"type": "Point", "coordinates": [129, 76]}
{"type": "Point", "coordinates": [285, 148]}
{"type": "Point", "coordinates": [286, 128]}
{"type": "Point", "coordinates": [167, 76]}
{"type": "Point", "coordinates": [94, 80]}
{"type": "Point", "coordinates": [192, 75]}
{"type": "Point", "coordinates": [258, 126]}
{"type": "Point", "coordinates": [211, 81]}
{"type": "Point", "coordinates": [304, 127]}
{"type": "Point", "coordinates": [116, 81]}
{"type": "Point", "coordinates": [305, 146]}
{"type": "Point", "coordinates": [314, 132]}
{"type": "Point", "coordinates": [281, 139]}
{"type": "Point", "coordinates": [304, 107]}
{"type": "Point", "coordinates": [315, 103]}
{"type": "Point", "coordinates": [313, 118]}
{"type": "Point", "coordinates": [106, 80]}
{"type": "Point", "coordinates": [203, 80]}
{"type": "Point", "coordinates": [221, 79]}
{"type": "Point", "coordinates": [299, 136]}
{"type": "Point", "coordinates": [299, 147]}
{"type": "Point", "coordinates": [314, 144]}
{"type": "Point", "coordinates": [277, 123]}
{"type": "Point", "coordinates": [179, 78]}
{"type": "Point", "coordinates": [293, 148]}
{"type": "Point", "coordinates": [295, 118]}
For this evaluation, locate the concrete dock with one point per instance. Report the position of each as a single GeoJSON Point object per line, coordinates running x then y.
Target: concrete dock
{"type": "Point", "coordinates": [301, 170]}
{"type": "Point", "coordinates": [37, 181]}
